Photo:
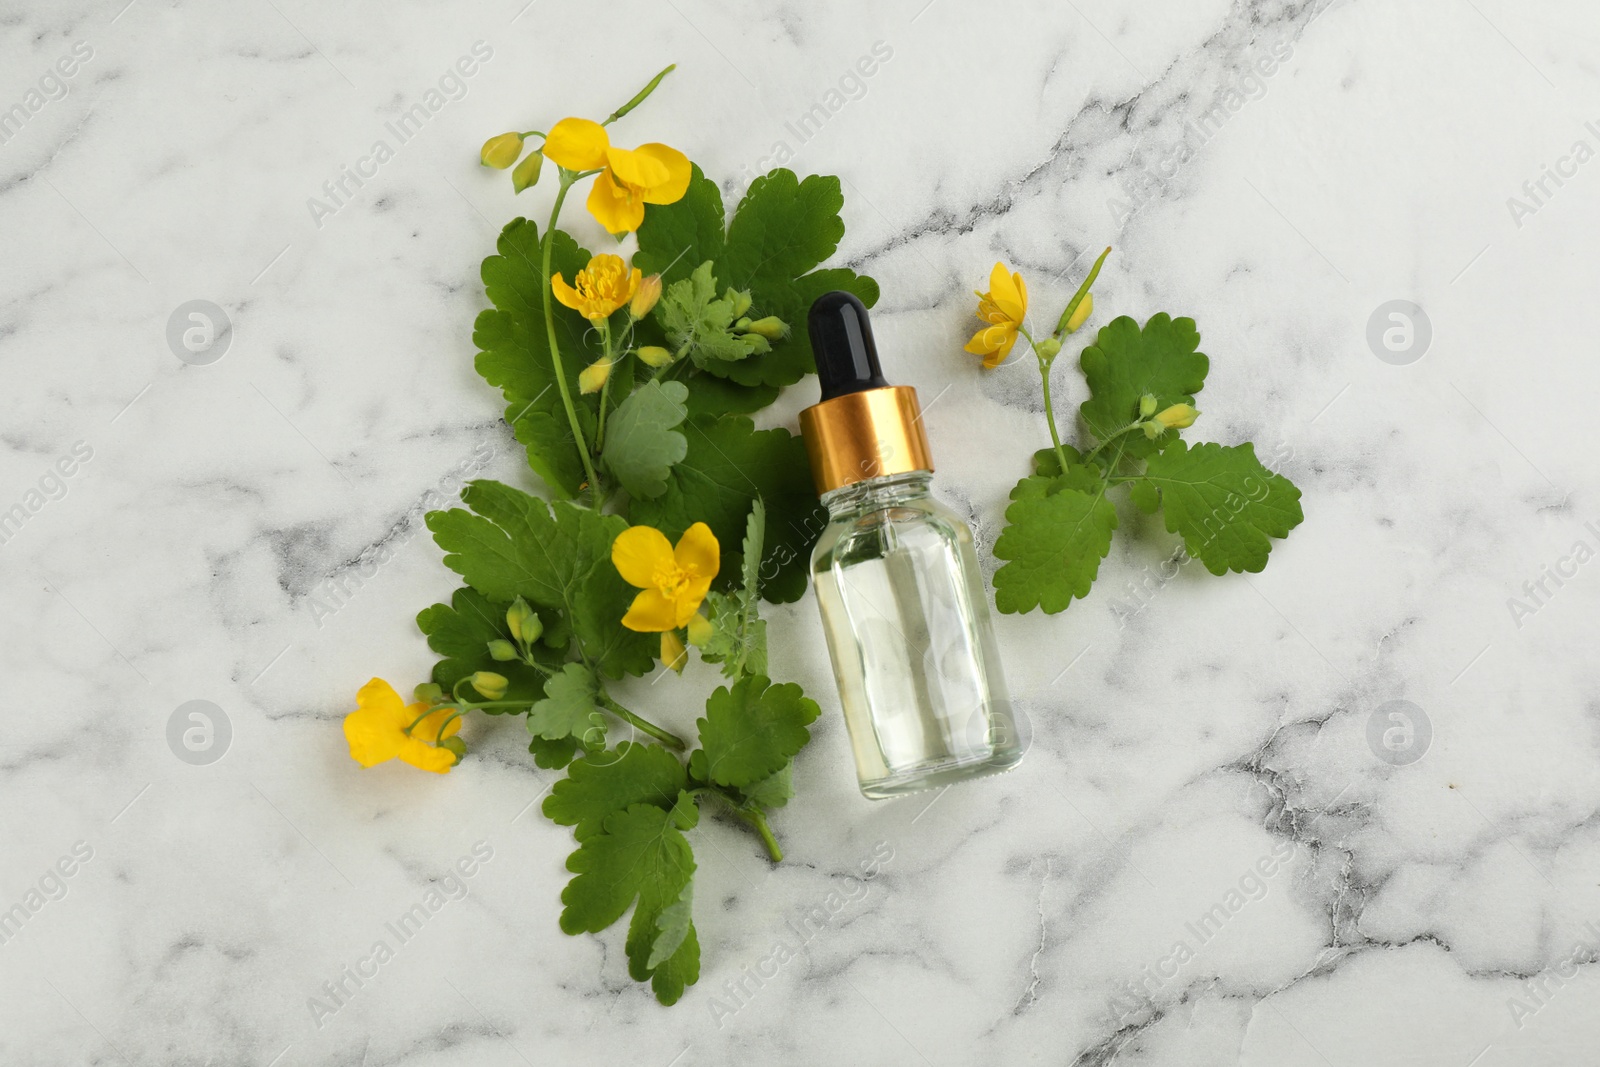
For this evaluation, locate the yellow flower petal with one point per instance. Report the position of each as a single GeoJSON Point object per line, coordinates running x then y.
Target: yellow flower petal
{"type": "Point", "coordinates": [370, 744]}
{"type": "Point", "coordinates": [1000, 283]}
{"type": "Point", "coordinates": [638, 553]}
{"type": "Point", "coordinates": [616, 207]}
{"type": "Point", "coordinates": [690, 594]}
{"type": "Point", "coordinates": [577, 144]}
{"type": "Point", "coordinates": [698, 552]}
{"type": "Point", "coordinates": [565, 293]}
{"type": "Point", "coordinates": [980, 345]}
{"type": "Point", "coordinates": [998, 356]}
{"type": "Point", "coordinates": [679, 171]}
{"type": "Point", "coordinates": [1008, 294]}
{"type": "Point", "coordinates": [375, 731]}
{"type": "Point", "coordinates": [632, 167]}
{"type": "Point", "coordinates": [427, 757]}
{"type": "Point", "coordinates": [651, 612]}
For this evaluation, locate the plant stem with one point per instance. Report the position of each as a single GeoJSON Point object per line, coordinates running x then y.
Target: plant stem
{"type": "Point", "coordinates": [458, 713]}
{"type": "Point", "coordinates": [555, 348]}
{"type": "Point", "coordinates": [755, 818]}
{"type": "Point", "coordinates": [605, 390]}
{"type": "Point", "coordinates": [666, 737]}
{"type": "Point", "coordinates": [1095, 451]}
{"type": "Point", "coordinates": [1049, 409]}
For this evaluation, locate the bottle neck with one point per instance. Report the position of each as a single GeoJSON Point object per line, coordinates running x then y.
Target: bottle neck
{"type": "Point", "coordinates": [887, 491]}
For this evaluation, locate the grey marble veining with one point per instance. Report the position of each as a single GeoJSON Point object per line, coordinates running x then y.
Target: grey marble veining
{"type": "Point", "coordinates": [1205, 858]}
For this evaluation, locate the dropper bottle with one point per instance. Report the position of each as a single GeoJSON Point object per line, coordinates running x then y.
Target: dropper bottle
{"type": "Point", "coordinates": [903, 602]}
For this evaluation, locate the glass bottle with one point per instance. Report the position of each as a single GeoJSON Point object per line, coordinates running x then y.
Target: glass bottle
{"type": "Point", "coordinates": [902, 600]}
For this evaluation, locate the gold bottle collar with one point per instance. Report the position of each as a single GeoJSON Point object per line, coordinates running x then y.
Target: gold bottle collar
{"type": "Point", "coordinates": [868, 434]}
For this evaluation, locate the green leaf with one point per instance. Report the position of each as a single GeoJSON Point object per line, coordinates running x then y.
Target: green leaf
{"type": "Point", "coordinates": [773, 791]}
{"type": "Point", "coordinates": [1058, 530]}
{"type": "Point", "coordinates": [738, 638]}
{"type": "Point", "coordinates": [730, 464]}
{"type": "Point", "coordinates": [553, 555]}
{"type": "Point", "coordinates": [569, 708]}
{"type": "Point", "coordinates": [685, 812]}
{"type": "Point", "coordinates": [642, 442]}
{"type": "Point", "coordinates": [672, 927]}
{"type": "Point", "coordinates": [640, 859]}
{"type": "Point", "coordinates": [717, 396]}
{"type": "Point", "coordinates": [681, 971]}
{"type": "Point", "coordinates": [783, 229]}
{"type": "Point", "coordinates": [755, 533]}
{"type": "Point", "coordinates": [514, 351]}
{"type": "Point", "coordinates": [750, 731]}
{"type": "Point", "coordinates": [610, 781]}
{"type": "Point", "coordinates": [1046, 463]}
{"type": "Point", "coordinates": [1125, 363]}
{"type": "Point", "coordinates": [1223, 503]}
{"type": "Point", "coordinates": [553, 755]}
{"type": "Point", "coordinates": [694, 316]}
{"type": "Point", "coordinates": [461, 631]}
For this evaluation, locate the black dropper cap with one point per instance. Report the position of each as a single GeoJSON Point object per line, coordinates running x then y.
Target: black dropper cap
{"type": "Point", "coordinates": [841, 343]}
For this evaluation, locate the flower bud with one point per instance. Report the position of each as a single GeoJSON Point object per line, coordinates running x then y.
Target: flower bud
{"type": "Point", "coordinates": [653, 355]}
{"type": "Point", "coordinates": [1080, 313]}
{"type": "Point", "coordinates": [527, 173]}
{"type": "Point", "coordinates": [741, 302]}
{"type": "Point", "coordinates": [1147, 406]}
{"type": "Point", "coordinates": [700, 630]}
{"type": "Point", "coordinates": [645, 297]}
{"type": "Point", "coordinates": [454, 745]}
{"type": "Point", "coordinates": [502, 651]}
{"type": "Point", "coordinates": [673, 652]}
{"type": "Point", "coordinates": [1152, 429]}
{"type": "Point", "coordinates": [502, 151]}
{"type": "Point", "coordinates": [1176, 417]}
{"type": "Point", "coordinates": [771, 327]}
{"type": "Point", "coordinates": [490, 684]}
{"type": "Point", "coordinates": [1048, 348]}
{"type": "Point", "coordinates": [517, 617]}
{"type": "Point", "coordinates": [742, 325]}
{"type": "Point", "coordinates": [428, 693]}
{"type": "Point", "coordinates": [592, 377]}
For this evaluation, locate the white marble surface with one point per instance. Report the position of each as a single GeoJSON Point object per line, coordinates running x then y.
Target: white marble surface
{"type": "Point", "coordinates": [1032, 918]}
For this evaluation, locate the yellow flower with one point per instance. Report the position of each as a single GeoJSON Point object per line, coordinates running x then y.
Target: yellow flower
{"type": "Point", "coordinates": [674, 580]}
{"type": "Point", "coordinates": [629, 178]}
{"type": "Point", "coordinates": [673, 652]}
{"type": "Point", "coordinates": [502, 151]}
{"type": "Point", "coordinates": [593, 377]}
{"type": "Point", "coordinates": [599, 288]}
{"type": "Point", "coordinates": [376, 730]}
{"type": "Point", "coordinates": [1004, 307]}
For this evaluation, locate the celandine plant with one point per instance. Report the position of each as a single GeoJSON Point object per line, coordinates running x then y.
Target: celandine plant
{"type": "Point", "coordinates": [1223, 503]}
{"type": "Point", "coordinates": [667, 519]}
